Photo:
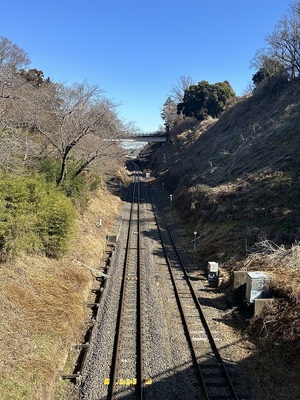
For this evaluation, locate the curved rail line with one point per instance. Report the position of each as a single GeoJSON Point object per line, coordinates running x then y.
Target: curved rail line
{"type": "Point", "coordinates": [215, 381]}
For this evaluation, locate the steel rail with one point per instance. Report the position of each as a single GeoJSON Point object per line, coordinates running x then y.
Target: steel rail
{"type": "Point", "coordinates": [140, 378]}
{"type": "Point", "coordinates": [196, 301]}
{"type": "Point", "coordinates": [187, 332]}
{"type": "Point", "coordinates": [112, 390]}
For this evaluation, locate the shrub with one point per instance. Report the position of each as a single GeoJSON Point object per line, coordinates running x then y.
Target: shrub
{"type": "Point", "coordinates": [34, 217]}
{"type": "Point", "coordinates": [78, 188]}
{"type": "Point", "coordinates": [55, 222]}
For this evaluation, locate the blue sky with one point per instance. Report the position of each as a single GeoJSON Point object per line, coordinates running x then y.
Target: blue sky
{"type": "Point", "coordinates": [136, 50]}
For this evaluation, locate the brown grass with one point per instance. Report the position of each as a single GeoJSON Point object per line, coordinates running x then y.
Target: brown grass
{"type": "Point", "coordinates": [283, 264]}
{"type": "Point", "coordinates": [236, 182]}
{"type": "Point", "coordinates": [276, 332]}
{"type": "Point", "coordinates": [43, 309]}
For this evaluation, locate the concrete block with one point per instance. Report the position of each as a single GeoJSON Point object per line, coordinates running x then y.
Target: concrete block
{"type": "Point", "coordinates": [239, 280]}
{"type": "Point", "coordinates": [256, 286]}
{"type": "Point", "coordinates": [111, 238]}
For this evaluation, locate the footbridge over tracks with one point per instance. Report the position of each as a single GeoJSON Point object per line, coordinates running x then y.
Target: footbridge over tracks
{"type": "Point", "coordinates": [144, 138]}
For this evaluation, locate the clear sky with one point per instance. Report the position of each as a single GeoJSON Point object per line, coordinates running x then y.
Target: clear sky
{"type": "Point", "coordinates": [136, 50]}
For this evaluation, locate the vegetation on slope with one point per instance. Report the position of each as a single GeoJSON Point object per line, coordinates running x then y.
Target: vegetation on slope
{"type": "Point", "coordinates": [34, 217]}
{"type": "Point", "coordinates": [238, 175]}
{"type": "Point", "coordinates": [44, 309]}
{"type": "Point", "coordinates": [56, 157]}
{"type": "Point", "coordinates": [235, 181]}
{"type": "Point", "coordinates": [275, 333]}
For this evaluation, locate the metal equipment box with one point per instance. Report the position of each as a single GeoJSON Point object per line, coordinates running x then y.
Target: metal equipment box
{"type": "Point", "coordinates": [256, 286]}
{"type": "Point", "coordinates": [212, 270]}
{"type": "Point", "coordinates": [213, 266]}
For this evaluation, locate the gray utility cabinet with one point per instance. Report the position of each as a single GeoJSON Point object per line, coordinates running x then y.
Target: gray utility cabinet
{"type": "Point", "coordinates": [256, 286]}
{"type": "Point", "coordinates": [212, 271]}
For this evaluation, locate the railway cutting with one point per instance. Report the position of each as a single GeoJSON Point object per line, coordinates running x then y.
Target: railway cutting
{"type": "Point", "coordinates": [151, 339]}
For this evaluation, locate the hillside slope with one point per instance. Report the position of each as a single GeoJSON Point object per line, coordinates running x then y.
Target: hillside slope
{"type": "Point", "coordinates": [235, 181]}
{"type": "Point", "coordinates": [44, 311]}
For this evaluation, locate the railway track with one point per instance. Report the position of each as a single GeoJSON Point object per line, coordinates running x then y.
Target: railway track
{"type": "Point", "coordinates": [215, 381]}
{"type": "Point", "coordinates": [127, 372]}
{"type": "Point", "coordinates": [151, 339]}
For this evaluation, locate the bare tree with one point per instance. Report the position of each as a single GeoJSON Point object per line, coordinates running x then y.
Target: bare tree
{"type": "Point", "coordinates": [74, 124]}
{"type": "Point", "coordinates": [78, 122]}
{"type": "Point", "coordinates": [176, 94]}
{"type": "Point", "coordinates": [12, 57]}
{"type": "Point", "coordinates": [169, 114]}
{"type": "Point", "coordinates": [283, 44]}
{"type": "Point", "coordinates": [14, 141]}
{"type": "Point", "coordinates": [20, 146]}
{"type": "Point", "coordinates": [177, 90]}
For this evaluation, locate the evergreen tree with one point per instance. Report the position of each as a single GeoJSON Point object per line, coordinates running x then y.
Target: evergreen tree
{"type": "Point", "coordinates": [205, 99]}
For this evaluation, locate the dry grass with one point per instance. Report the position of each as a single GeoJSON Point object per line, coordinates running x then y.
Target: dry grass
{"type": "Point", "coordinates": [276, 333]}
{"type": "Point", "coordinates": [236, 182]}
{"type": "Point", "coordinates": [257, 133]}
{"type": "Point", "coordinates": [283, 264]}
{"type": "Point", "coordinates": [43, 307]}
